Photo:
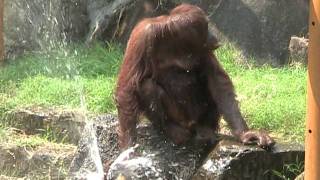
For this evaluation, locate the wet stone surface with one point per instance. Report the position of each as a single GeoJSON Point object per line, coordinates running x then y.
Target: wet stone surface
{"type": "Point", "coordinates": [232, 160]}
{"type": "Point", "coordinates": [155, 157]}
{"type": "Point", "coordinates": [104, 132]}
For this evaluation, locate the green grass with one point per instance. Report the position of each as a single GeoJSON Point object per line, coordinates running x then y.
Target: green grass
{"type": "Point", "coordinates": [270, 98]}
{"type": "Point", "coordinates": [290, 171]}
{"type": "Point", "coordinates": [59, 78]}
{"type": "Point", "coordinates": [9, 136]}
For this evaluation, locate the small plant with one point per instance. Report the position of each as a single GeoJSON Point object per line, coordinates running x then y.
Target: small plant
{"type": "Point", "coordinates": [54, 137]}
{"type": "Point", "coordinates": [290, 171]}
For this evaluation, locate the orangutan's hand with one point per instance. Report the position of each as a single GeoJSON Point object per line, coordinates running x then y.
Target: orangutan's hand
{"type": "Point", "coordinates": [260, 138]}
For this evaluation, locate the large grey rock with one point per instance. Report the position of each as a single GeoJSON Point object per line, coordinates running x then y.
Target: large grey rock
{"type": "Point", "coordinates": [260, 28]}
{"type": "Point", "coordinates": [42, 24]}
{"type": "Point", "coordinates": [298, 48]}
{"type": "Point", "coordinates": [160, 157]}
{"type": "Point", "coordinates": [155, 157]}
{"type": "Point", "coordinates": [98, 147]}
{"type": "Point", "coordinates": [42, 162]}
{"type": "Point", "coordinates": [114, 20]}
{"type": "Point", "coordinates": [233, 161]}
{"type": "Point", "coordinates": [64, 125]}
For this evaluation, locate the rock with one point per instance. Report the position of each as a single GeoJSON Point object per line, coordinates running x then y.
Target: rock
{"type": "Point", "coordinates": [298, 48]}
{"type": "Point", "coordinates": [157, 154]}
{"type": "Point", "coordinates": [65, 125]}
{"type": "Point", "coordinates": [97, 147]}
{"type": "Point", "coordinates": [158, 160]}
{"type": "Point", "coordinates": [43, 161]}
{"type": "Point", "coordinates": [42, 24]}
{"type": "Point", "coordinates": [12, 157]}
{"type": "Point", "coordinates": [51, 161]}
{"type": "Point", "coordinates": [261, 29]}
{"type": "Point", "coordinates": [114, 20]}
{"type": "Point", "coordinates": [155, 157]}
{"type": "Point", "coordinates": [232, 160]}
{"type": "Point", "coordinates": [2, 177]}
{"type": "Point", "coordinates": [128, 166]}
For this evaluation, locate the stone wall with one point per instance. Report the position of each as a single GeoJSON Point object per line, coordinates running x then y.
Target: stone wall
{"type": "Point", "coordinates": [34, 24]}
{"type": "Point", "coordinates": [260, 28]}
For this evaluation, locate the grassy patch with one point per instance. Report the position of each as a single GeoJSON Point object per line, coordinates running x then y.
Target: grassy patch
{"type": "Point", "coordinates": [61, 77]}
{"type": "Point", "coordinates": [270, 98]}
{"type": "Point", "coordinates": [9, 136]}
{"type": "Point", "coordinates": [290, 171]}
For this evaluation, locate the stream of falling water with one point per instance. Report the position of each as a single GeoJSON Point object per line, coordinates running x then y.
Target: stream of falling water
{"type": "Point", "coordinates": [92, 143]}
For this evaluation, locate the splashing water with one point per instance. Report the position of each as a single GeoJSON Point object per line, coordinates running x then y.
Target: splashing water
{"type": "Point", "coordinates": [94, 155]}
{"type": "Point", "coordinates": [92, 142]}
{"type": "Point", "coordinates": [46, 26]}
